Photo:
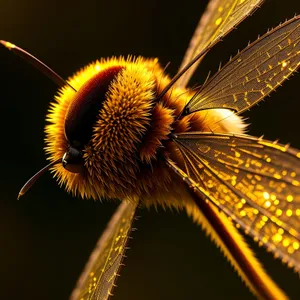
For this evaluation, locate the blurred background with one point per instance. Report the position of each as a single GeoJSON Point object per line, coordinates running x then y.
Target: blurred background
{"type": "Point", "coordinates": [47, 236]}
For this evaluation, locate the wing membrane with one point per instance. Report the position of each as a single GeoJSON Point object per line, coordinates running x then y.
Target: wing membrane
{"type": "Point", "coordinates": [255, 182]}
{"type": "Point", "coordinates": [217, 21]}
{"type": "Point", "coordinates": [254, 73]}
{"type": "Point", "coordinates": [100, 273]}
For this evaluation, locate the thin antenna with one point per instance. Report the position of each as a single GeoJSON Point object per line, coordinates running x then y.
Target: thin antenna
{"type": "Point", "coordinates": [37, 64]}
{"type": "Point", "coordinates": [35, 177]}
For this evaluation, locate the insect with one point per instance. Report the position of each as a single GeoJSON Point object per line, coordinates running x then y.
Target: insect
{"type": "Point", "coordinates": [122, 129]}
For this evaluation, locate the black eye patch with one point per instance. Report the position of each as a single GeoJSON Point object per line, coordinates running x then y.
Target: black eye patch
{"type": "Point", "coordinates": [84, 109]}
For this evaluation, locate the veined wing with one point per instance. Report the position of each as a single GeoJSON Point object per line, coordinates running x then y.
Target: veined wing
{"type": "Point", "coordinates": [253, 73]}
{"type": "Point", "coordinates": [255, 182]}
{"type": "Point", "coordinates": [220, 17]}
{"type": "Point", "coordinates": [100, 273]}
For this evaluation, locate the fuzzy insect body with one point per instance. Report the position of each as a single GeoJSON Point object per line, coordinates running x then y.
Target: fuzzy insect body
{"type": "Point", "coordinates": [121, 128]}
{"type": "Point", "coordinates": [123, 132]}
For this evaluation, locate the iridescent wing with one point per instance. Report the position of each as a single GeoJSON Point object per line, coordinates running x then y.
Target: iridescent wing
{"type": "Point", "coordinates": [101, 271]}
{"type": "Point", "coordinates": [254, 73]}
{"type": "Point", "coordinates": [255, 182]}
{"type": "Point", "coordinates": [220, 17]}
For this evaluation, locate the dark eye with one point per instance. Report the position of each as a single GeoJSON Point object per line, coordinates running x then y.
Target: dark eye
{"type": "Point", "coordinates": [73, 160]}
{"type": "Point", "coordinates": [84, 108]}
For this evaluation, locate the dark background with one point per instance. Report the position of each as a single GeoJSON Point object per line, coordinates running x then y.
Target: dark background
{"type": "Point", "coordinates": [47, 236]}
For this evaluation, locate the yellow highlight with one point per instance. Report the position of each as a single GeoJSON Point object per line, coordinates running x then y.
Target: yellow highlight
{"type": "Point", "coordinates": [296, 245]}
{"type": "Point", "coordinates": [280, 231]}
{"type": "Point", "coordinates": [285, 242]}
{"type": "Point", "coordinates": [293, 232]}
{"type": "Point", "coordinates": [239, 205]}
{"type": "Point", "coordinates": [272, 145]}
{"type": "Point", "coordinates": [267, 204]}
{"type": "Point", "coordinates": [243, 213]}
{"type": "Point", "coordinates": [8, 45]}
{"type": "Point", "coordinates": [289, 198]}
{"type": "Point", "coordinates": [277, 238]}
{"type": "Point", "coordinates": [277, 176]}
{"type": "Point", "coordinates": [218, 21]}
{"type": "Point", "coordinates": [266, 195]}
{"type": "Point", "coordinates": [289, 212]}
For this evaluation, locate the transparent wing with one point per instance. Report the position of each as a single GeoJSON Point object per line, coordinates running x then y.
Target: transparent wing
{"type": "Point", "coordinates": [101, 271]}
{"type": "Point", "coordinates": [255, 182]}
{"type": "Point", "coordinates": [220, 17]}
{"type": "Point", "coordinates": [254, 73]}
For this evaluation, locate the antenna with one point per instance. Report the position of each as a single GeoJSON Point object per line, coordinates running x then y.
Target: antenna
{"type": "Point", "coordinates": [37, 64]}
{"type": "Point", "coordinates": [35, 177]}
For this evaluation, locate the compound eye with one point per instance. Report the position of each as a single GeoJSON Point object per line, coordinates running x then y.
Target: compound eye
{"type": "Point", "coordinates": [83, 111]}
{"type": "Point", "coordinates": [73, 160]}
